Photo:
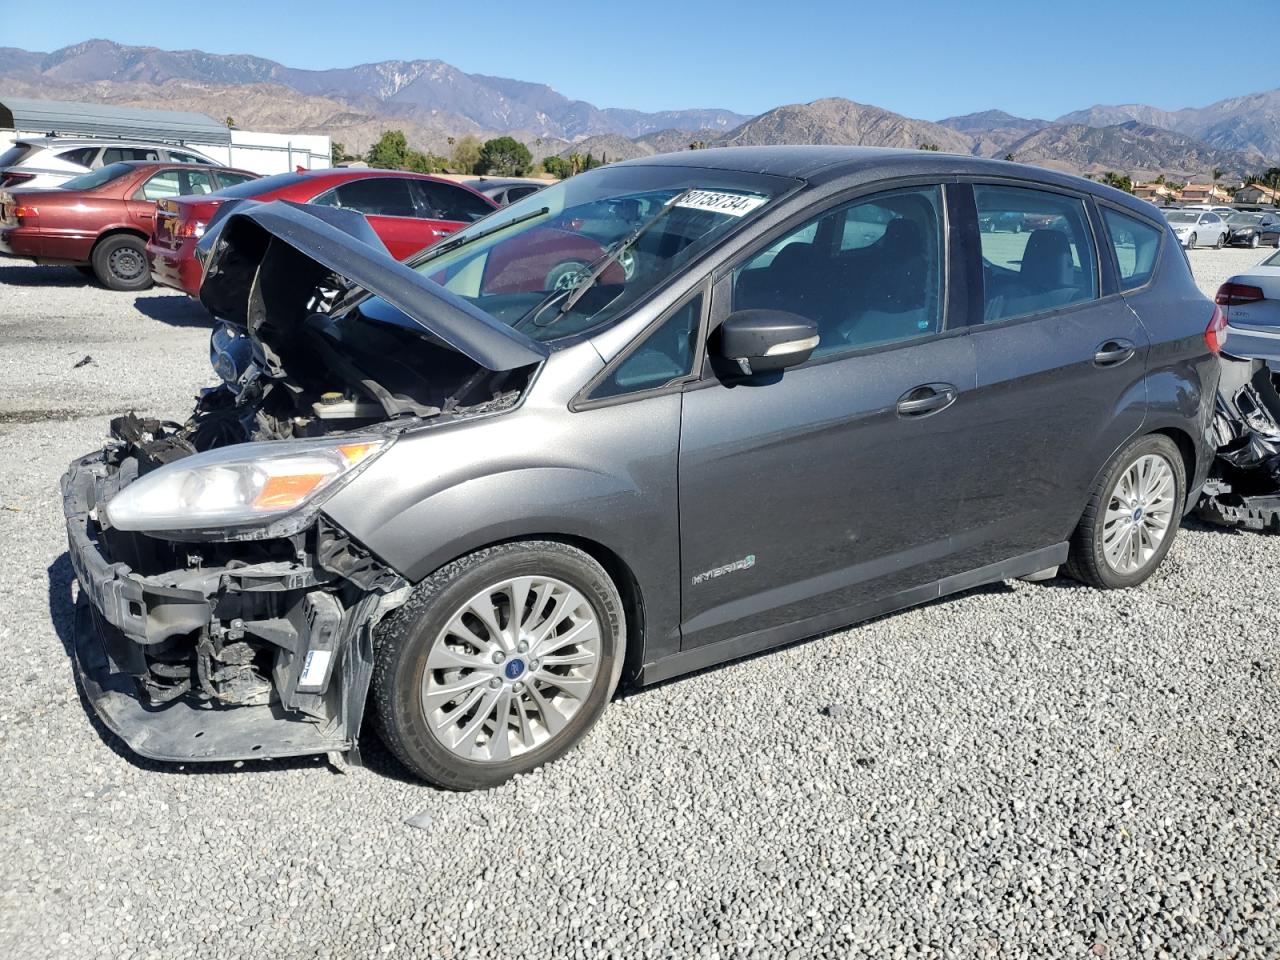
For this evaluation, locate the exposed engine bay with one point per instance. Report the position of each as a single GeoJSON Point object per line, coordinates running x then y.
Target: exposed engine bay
{"type": "Point", "coordinates": [269, 626]}
{"type": "Point", "coordinates": [1243, 488]}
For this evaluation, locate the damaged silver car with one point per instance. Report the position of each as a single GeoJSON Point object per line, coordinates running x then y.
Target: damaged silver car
{"type": "Point", "coordinates": [663, 414]}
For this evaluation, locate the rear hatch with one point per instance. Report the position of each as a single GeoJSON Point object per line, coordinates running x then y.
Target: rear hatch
{"type": "Point", "coordinates": [181, 218]}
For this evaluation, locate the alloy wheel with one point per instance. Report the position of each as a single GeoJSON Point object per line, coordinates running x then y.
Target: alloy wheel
{"type": "Point", "coordinates": [1139, 513]}
{"type": "Point", "coordinates": [513, 666]}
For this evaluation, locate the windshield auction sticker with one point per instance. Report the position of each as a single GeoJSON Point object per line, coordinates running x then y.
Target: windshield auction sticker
{"type": "Point", "coordinates": [731, 204]}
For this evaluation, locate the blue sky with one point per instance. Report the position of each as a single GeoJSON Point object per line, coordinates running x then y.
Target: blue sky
{"type": "Point", "coordinates": [923, 59]}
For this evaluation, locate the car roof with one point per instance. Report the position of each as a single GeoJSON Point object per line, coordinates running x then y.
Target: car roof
{"type": "Point", "coordinates": [822, 164]}
{"type": "Point", "coordinates": [178, 165]}
{"type": "Point", "coordinates": [486, 183]}
{"type": "Point", "coordinates": [53, 142]}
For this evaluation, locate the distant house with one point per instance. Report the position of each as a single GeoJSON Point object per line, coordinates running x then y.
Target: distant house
{"type": "Point", "coordinates": [1155, 192]}
{"type": "Point", "coordinates": [1204, 193]}
{"type": "Point", "coordinates": [1257, 193]}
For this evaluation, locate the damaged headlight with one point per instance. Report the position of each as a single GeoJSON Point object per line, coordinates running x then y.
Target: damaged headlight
{"type": "Point", "coordinates": [242, 484]}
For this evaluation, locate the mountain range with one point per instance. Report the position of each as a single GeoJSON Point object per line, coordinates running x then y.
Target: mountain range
{"type": "Point", "coordinates": [435, 103]}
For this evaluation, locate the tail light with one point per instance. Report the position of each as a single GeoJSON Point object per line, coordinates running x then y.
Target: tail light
{"type": "Point", "coordinates": [1215, 335]}
{"type": "Point", "coordinates": [191, 228]}
{"type": "Point", "coordinates": [1235, 294]}
{"type": "Point", "coordinates": [26, 214]}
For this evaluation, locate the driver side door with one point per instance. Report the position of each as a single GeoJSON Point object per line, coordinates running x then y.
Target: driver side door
{"type": "Point", "coordinates": [821, 495]}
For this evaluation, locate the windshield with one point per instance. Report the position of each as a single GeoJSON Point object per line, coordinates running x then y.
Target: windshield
{"type": "Point", "coordinates": [1182, 217]}
{"type": "Point", "coordinates": [510, 263]}
{"type": "Point", "coordinates": [1245, 218]}
{"type": "Point", "coordinates": [99, 177]}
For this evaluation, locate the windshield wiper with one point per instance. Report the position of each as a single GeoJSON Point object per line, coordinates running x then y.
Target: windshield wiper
{"type": "Point", "coordinates": [456, 242]}
{"type": "Point", "coordinates": [597, 269]}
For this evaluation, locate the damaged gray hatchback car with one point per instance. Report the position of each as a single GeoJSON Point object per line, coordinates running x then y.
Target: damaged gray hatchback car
{"type": "Point", "coordinates": [663, 414]}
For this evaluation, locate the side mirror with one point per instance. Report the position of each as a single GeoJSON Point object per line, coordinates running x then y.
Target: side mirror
{"type": "Point", "coordinates": [761, 341]}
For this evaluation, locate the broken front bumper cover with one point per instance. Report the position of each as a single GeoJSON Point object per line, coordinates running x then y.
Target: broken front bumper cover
{"type": "Point", "coordinates": [123, 617]}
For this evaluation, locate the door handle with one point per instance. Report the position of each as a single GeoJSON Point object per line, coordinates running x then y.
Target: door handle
{"type": "Point", "coordinates": [1113, 352]}
{"type": "Point", "coordinates": [926, 399]}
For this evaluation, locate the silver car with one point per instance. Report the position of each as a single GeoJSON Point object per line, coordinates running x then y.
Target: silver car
{"type": "Point", "coordinates": [1194, 228]}
{"type": "Point", "coordinates": [38, 163]}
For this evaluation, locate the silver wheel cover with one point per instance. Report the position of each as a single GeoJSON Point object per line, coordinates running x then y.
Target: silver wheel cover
{"type": "Point", "coordinates": [514, 665]}
{"type": "Point", "coordinates": [1139, 513]}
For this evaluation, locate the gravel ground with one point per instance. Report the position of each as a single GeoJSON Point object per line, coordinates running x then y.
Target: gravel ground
{"type": "Point", "coordinates": [1025, 770]}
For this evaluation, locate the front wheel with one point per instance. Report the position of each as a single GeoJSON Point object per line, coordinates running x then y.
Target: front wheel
{"type": "Point", "coordinates": [1191, 242]}
{"type": "Point", "coordinates": [1254, 242]}
{"type": "Point", "coordinates": [499, 662]}
{"type": "Point", "coordinates": [1132, 516]}
{"type": "Point", "coordinates": [1222, 239]}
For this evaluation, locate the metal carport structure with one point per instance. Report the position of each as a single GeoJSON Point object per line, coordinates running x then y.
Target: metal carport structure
{"type": "Point", "coordinates": [68, 118]}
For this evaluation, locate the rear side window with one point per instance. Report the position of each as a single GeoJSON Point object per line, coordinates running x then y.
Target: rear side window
{"type": "Point", "coordinates": [176, 183]}
{"type": "Point", "coordinates": [82, 156]}
{"type": "Point", "coordinates": [1037, 251]}
{"type": "Point", "coordinates": [179, 157]}
{"type": "Point", "coordinates": [1136, 244]}
{"type": "Point", "coordinates": [254, 188]}
{"type": "Point", "coordinates": [439, 201]}
{"type": "Point", "coordinates": [377, 196]}
{"type": "Point", "coordinates": [665, 355]}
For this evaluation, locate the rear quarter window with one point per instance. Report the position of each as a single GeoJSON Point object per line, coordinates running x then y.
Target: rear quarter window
{"type": "Point", "coordinates": [1136, 244]}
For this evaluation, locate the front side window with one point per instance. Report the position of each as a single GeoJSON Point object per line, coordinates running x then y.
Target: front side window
{"type": "Point", "coordinates": [578, 254]}
{"type": "Point", "coordinates": [1047, 264]}
{"type": "Point", "coordinates": [664, 355]}
{"type": "Point", "coordinates": [1136, 244]}
{"type": "Point", "coordinates": [868, 273]}
{"type": "Point", "coordinates": [440, 201]}
{"type": "Point", "coordinates": [377, 197]}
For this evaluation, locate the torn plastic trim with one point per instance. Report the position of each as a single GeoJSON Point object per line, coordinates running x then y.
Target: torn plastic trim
{"type": "Point", "coordinates": [238, 249]}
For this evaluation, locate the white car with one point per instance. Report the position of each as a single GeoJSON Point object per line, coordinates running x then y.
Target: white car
{"type": "Point", "coordinates": [37, 163]}
{"type": "Point", "coordinates": [1251, 302]}
{"type": "Point", "coordinates": [1194, 228]}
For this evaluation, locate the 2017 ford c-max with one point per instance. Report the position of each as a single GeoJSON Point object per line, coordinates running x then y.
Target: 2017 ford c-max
{"type": "Point", "coordinates": [797, 388]}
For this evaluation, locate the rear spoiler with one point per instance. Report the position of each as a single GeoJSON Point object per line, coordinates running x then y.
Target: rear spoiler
{"type": "Point", "coordinates": [263, 262]}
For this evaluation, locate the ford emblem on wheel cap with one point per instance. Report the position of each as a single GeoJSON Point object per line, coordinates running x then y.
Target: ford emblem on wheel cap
{"type": "Point", "coordinates": [514, 668]}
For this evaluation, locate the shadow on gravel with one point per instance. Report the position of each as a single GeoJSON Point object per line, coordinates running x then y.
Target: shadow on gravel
{"type": "Point", "coordinates": [62, 613]}
{"type": "Point", "coordinates": [44, 277]}
{"type": "Point", "coordinates": [175, 311]}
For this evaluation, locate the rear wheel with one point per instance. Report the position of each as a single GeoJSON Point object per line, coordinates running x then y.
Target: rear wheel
{"type": "Point", "coordinates": [1132, 516]}
{"type": "Point", "coordinates": [499, 663]}
{"type": "Point", "coordinates": [120, 263]}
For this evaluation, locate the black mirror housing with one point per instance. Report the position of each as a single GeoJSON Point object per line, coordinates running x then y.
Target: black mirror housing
{"type": "Point", "coordinates": [761, 341]}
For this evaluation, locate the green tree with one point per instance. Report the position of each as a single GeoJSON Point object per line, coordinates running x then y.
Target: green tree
{"type": "Point", "coordinates": [1010, 157]}
{"type": "Point", "coordinates": [929, 146]}
{"type": "Point", "coordinates": [230, 123]}
{"type": "Point", "coordinates": [1118, 180]}
{"type": "Point", "coordinates": [337, 152]}
{"type": "Point", "coordinates": [558, 167]}
{"type": "Point", "coordinates": [1218, 174]}
{"type": "Point", "coordinates": [504, 156]}
{"type": "Point", "coordinates": [698, 145]}
{"type": "Point", "coordinates": [465, 156]}
{"type": "Point", "coordinates": [391, 152]}
{"type": "Point", "coordinates": [419, 162]}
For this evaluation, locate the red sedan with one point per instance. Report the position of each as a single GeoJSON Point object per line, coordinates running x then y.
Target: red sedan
{"type": "Point", "coordinates": [408, 211]}
{"type": "Point", "coordinates": [99, 222]}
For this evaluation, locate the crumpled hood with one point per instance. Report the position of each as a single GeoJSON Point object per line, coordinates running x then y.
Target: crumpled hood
{"type": "Point", "coordinates": [264, 261]}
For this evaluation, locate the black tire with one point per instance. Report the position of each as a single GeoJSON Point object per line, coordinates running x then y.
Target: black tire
{"type": "Point", "coordinates": [1222, 239]}
{"type": "Point", "coordinates": [1191, 242]}
{"type": "Point", "coordinates": [1086, 561]}
{"type": "Point", "coordinates": [120, 262]}
{"type": "Point", "coordinates": [1254, 242]}
{"type": "Point", "coordinates": [405, 638]}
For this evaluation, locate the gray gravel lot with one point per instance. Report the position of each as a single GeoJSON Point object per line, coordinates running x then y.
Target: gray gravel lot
{"type": "Point", "coordinates": [1026, 770]}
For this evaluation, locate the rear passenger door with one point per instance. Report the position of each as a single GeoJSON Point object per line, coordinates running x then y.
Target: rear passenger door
{"type": "Point", "coordinates": [1061, 364]}
{"type": "Point", "coordinates": [389, 207]}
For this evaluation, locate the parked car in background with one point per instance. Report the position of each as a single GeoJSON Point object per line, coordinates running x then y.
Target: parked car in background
{"type": "Point", "coordinates": [485, 507]}
{"type": "Point", "coordinates": [1251, 302]}
{"type": "Point", "coordinates": [1194, 228]}
{"type": "Point", "coordinates": [503, 192]}
{"type": "Point", "coordinates": [36, 163]}
{"type": "Point", "coordinates": [408, 211]}
{"type": "Point", "coordinates": [100, 221]}
{"type": "Point", "coordinates": [1253, 229]}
